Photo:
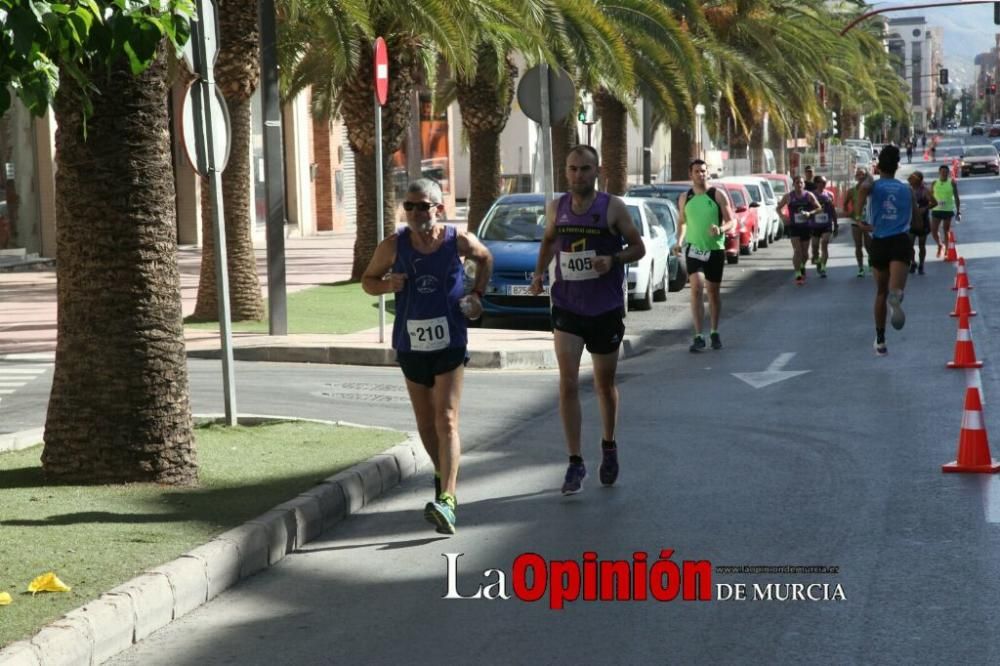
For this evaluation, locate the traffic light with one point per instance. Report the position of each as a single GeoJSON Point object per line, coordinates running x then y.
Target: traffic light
{"type": "Point", "coordinates": [943, 77]}
{"type": "Point", "coordinates": [581, 116]}
{"type": "Point", "coordinates": [833, 123]}
{"type": "Point", "coordinates": [996, 13]}
{"type": "Point", "coordinates": [993, 89]}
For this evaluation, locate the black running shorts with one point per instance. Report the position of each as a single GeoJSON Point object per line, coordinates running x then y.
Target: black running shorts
{"type": "Point", "coordinates": [422, 367]}
{"type": "Point", "coordinates": [711, 269]}
{"type": "Point", "coordinates": [889, 249]}
{"type": "Point", "coordinates": [602, 334]}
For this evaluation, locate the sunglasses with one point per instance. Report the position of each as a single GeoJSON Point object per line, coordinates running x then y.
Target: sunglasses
{"type": "Point", "coordinates": [422, 206]}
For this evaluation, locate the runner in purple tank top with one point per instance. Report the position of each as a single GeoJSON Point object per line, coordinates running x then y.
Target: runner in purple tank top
{"type": "Point", "coordinates": [585, 234]}
{"type": "Point", "coordinates": [421, 265]}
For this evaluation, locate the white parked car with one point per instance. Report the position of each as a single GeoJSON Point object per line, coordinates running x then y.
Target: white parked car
{"type": "Point", "coordinates": [647, 278]}
{"type": "Point", "coordinates": [767, 217]}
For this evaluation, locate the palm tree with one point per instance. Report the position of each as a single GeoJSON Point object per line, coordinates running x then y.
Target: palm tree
{"type": "Point", "coordinates": [119, 408]}
{"type": "Point", "coordinates": [328, 46]}
{"type": "Point", "coordinates": [237, 73]}
{"type": "Point", "coordinates": [485, 104]}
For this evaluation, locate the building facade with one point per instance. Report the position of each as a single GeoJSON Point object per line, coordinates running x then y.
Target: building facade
{"type": "Point", "coordinates": [916, 48]}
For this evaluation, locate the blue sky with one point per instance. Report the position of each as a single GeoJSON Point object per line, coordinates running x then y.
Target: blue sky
{"type": "Point", "coordinates": [967, 31]}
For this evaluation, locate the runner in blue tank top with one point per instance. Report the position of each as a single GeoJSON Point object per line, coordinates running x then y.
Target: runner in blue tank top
{"type": "Point", "coordinates": [584, 233]}
{"type": "Point", "coordinates": [421, 264]}
{"type": "Point", "coordinates": [892, 209]}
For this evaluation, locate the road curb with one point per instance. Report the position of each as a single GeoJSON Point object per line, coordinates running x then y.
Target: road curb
{"type": "Point", "coordinates": [133, 610]}
{"type": "Point", "coordinates": [23, 439]}
{"type": "Point", "coordinates": [496, 359]}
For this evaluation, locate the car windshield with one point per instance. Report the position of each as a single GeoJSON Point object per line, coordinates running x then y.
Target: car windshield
{"type": "Point", "coordinates": [664, 217]}
{"type": "Point", "coordinates": [768, 192]}
{"type": "Point", "coordinates": [737, 198]}
{"type": "Point", "coordinates": [779, 188]}
{"type": "Point", "coordinates": [514, 222]}
{"type": "Point", "coordinates": [672, 193]}
{"type": "Point", "coordinates": [637, 219]}
{"type": "Point", "coordinates": [754, 193]}
{"type": "Point", "coordinates": [981, 151]}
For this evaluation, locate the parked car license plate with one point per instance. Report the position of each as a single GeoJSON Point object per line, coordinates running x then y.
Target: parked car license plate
{"type": "Point", "coordinates": [523, 290]}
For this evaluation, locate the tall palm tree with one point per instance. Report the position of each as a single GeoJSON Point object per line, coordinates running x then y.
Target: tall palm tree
{"type": "Point", "coordinates": [237, 73]}
{"type": "Point", "coordinates": [119, 408]}
{"type": "Point", "coordinates": [328, 46]}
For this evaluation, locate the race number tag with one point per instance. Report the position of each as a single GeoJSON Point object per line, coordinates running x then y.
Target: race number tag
{"type": "Point", "coordinates": [800, 218]}
{"type": "Point", "coordinates": [822, 218]}
{"type": "Point", "coordinates": [428, 334]}
{"type": "Point", "coordinates": [699, 255]}
{"type": "Point", "coordinates": [576, 266]}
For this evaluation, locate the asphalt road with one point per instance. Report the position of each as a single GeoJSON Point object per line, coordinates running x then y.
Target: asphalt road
{"type": "Point", "coordinates": [837, 464]}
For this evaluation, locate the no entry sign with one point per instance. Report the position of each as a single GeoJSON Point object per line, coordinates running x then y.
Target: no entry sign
{"type": "Point", "coordinates": [381, 71]}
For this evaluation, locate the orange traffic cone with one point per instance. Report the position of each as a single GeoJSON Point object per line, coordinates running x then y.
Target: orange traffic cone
{"type": "Point", "coordinates": [961, 277]}
{"type": "Point", "coordinates": [973, 445]}
{"type": "Point", "coordinates": [962, 304]}
{"type": "Point", "coordinates": [952, 254]}
{"type": "Point", "coordinates": [965, 352]}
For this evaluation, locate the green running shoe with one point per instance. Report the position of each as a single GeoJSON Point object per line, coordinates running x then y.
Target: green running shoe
{"type": "Point", "coordinates": [441, 513]}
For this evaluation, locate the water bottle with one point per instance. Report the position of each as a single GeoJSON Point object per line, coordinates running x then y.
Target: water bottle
{"type": "Point", "coordinates": [470, 308]}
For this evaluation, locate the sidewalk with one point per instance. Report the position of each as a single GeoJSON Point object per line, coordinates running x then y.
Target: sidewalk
{"type": "Point", "coordinates": [28, 316]}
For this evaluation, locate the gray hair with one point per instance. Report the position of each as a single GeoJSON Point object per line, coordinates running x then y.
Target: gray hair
{"type": "Point", "coordinates": [428, 188]}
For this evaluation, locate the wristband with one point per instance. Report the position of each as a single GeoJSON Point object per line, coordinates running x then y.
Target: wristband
{"type": "Point", "coordinates": [477, 292]}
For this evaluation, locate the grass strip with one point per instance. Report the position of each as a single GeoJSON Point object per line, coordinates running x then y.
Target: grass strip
{"type": "Point", "coordinates": [334, 309]}
{"type": "Point", "coordinates": [96, 537]}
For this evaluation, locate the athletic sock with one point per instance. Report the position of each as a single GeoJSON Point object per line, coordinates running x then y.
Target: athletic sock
{"type": "Point", "coordinates": [879, 335]}
{"type": "Point", "coordinates": [607, 446]}
{"type": "Point", "coordinates": [576, 460]}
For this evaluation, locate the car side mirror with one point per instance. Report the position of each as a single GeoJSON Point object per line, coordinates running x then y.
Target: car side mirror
{"type": "Point", "coordinates": [755, 204]}
{"type": "Point", "coordinates": [741, 209]}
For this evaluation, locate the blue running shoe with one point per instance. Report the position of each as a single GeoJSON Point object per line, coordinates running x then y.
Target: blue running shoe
{"type": "Point", "coordinates": [575, 474]}
{"type": "Point", "coordinates": [608, 472]}
{"type": "Point", "coordinates": [441, 513]}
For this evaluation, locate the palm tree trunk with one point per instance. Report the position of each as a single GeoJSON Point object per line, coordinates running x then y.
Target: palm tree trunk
{"type": "Point", "coordinates": [237, 73]}
{"type": "Point", "coordinates": [485, 103]}
{"type": "Point", "coordinates": [681, 153]}
{"type": "Point", "coordinates": [777, 146]}
{"type": "Point", "coordinates": [365, 240]}
{"type": "Point", "coordinates": [484, 154]}
{"type": "Point", "coordinates": [757, 148]}
{"type": "Point", "coordinates": [614, 142]}
{"type": "Point", "coordinates": [563, 138]}
{"type": "Point", "coordinates": [245, 300]}
{"type": "Point", "coordinates": [119, 409]}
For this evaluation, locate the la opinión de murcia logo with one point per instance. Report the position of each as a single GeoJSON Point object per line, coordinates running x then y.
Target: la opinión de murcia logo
{"type": "Point", "coordinates": [533, 578]}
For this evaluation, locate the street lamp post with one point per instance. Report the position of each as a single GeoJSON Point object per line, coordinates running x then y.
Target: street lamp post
{"type": "Point", "coordinates": [699, 119]}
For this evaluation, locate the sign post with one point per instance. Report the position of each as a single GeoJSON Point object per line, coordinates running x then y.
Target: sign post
{"type": "Point", "coordinates": [546, 96]}
{"type": "Point", "coordinates": [205, 133]}
{"type": "Point", "coordinates": [381, 94]}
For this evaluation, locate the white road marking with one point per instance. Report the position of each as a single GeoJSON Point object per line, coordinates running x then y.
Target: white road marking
{"type": "Point", "coordinates": [773, 374]}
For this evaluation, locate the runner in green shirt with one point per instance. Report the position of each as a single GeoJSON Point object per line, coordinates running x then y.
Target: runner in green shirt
{"type": "Point", "coordinates": [705, 217]}
{"type": "Point", "coordinates": [948, 206]}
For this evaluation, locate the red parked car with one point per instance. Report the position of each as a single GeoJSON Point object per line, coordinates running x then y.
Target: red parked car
{"type": "Point", "coordinates": [679, 187]}
{"type": "Point", "coordinates": [746, 215]}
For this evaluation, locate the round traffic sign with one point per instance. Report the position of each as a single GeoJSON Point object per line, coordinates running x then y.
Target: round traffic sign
{"type": "Point", "coordinates": [562, 94]}
{"type": "Point", "coordinates": [381, 71]}
{"type": "Point", "coordinates": [220, 129]}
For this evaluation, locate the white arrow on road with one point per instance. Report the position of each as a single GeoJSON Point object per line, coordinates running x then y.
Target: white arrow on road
{"type": "Point", "coordinates": [773, 374]}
